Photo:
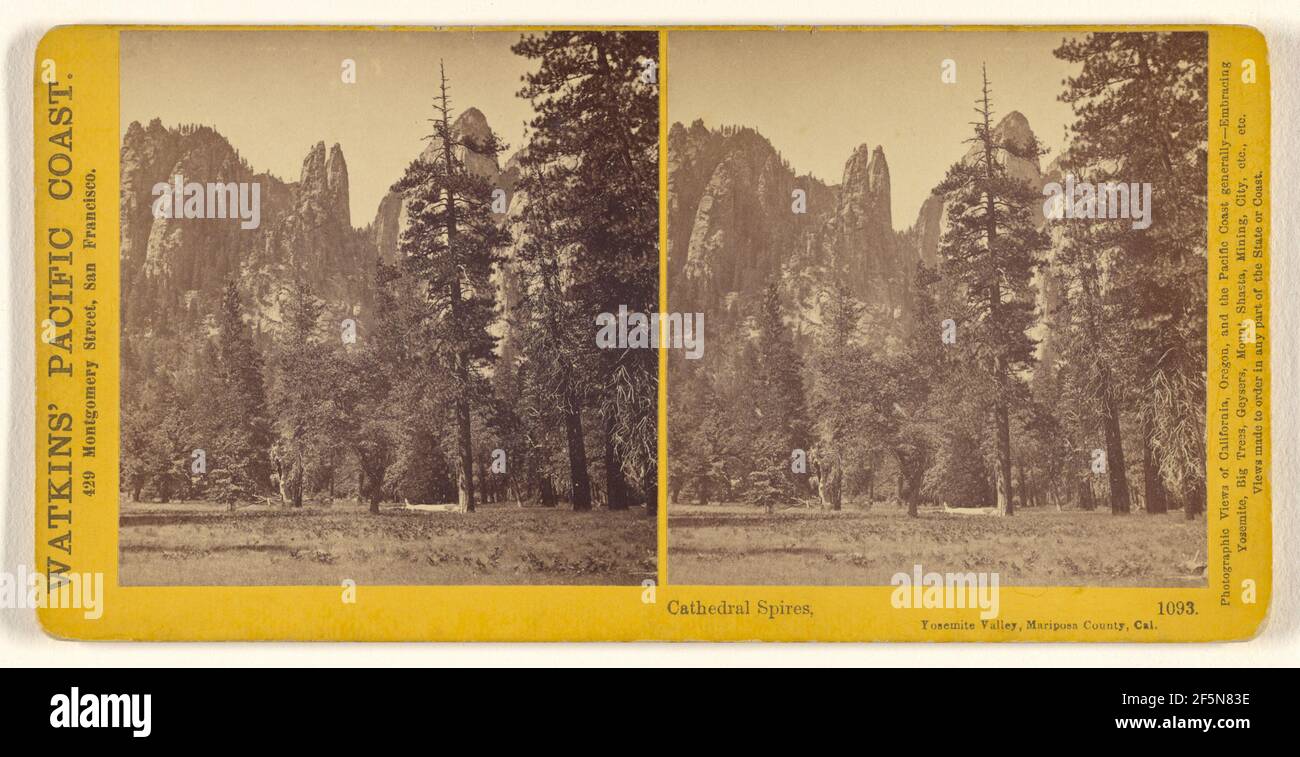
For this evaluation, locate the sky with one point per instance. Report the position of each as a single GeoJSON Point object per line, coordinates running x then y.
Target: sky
{"type": "Point", "coordinates": [815, 95]}
{"type": "Point", "coordinates": [275, 94]}
{"type": "Point", "coordinates": [818, 95]}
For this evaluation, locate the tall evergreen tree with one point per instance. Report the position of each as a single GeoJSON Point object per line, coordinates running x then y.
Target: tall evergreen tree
{"type": "Point", "coordinates": [297, 394]}
{"type": "Point", "coordinates": [1140, 107]}
{"type": "Point", "coordinates": [451, 246]}
{"type": "Point", "coordinates": [157, 440]}
{"type": "Point", "coordinates": [557, 344]}
{"type": "Point", "coordinates": [780, 405]}
{"type": "Point", "coordinates": [991, 248]}
{"type": "Point", "coordinates": [1092, 339]}
{"type": "Point", "coordinates": [839, 396]}
{"type": "Point", "coordinates": [699, 445]}
{"type": "Point", "coordinates": [241, 466]}
{"type": "Point", "coordinates": [370, 411]}
{"type": "Point", "coordinates": [604, 176]}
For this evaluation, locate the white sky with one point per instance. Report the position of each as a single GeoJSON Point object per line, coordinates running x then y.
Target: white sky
{"type": "Point", "coordinates": [818, 95]}
{"type": "Point", "coordinates": [274, 94]}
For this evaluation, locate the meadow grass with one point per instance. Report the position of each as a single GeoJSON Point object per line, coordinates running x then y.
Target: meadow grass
{"type": "Point", "coordinates": [741, 545]}
{"type": "Point", "coordinates": [201, 543]}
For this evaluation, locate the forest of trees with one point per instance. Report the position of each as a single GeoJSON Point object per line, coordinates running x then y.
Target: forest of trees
{"type": "Point", "coordinates": [984, 397]}
{"type": "Point", "coordinates": [447, 393]}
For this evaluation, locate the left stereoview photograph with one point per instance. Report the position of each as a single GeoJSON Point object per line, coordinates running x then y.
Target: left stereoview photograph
{"type": "Point", "coordinates": [359, 276]}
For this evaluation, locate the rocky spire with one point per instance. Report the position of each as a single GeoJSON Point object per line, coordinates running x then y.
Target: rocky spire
{"type": "Point", "coordinates": [336, 183]}
{"type": "Point", "coordinates": [932, 219]}
{"type": "Point", "coordinates": [323, 185]}
{"type": "Point", "coordinates": [473, 124]}
{"type": "Point", "coordinates": [390, 218]}
{"type": "Point", "coordinates": [865, 249]}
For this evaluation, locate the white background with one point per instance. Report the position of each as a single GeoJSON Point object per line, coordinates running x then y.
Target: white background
{"type": "Point", "coordinates": [23, 22]}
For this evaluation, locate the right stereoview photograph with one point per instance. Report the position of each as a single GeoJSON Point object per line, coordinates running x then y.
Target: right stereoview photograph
{"type": "Point", "coordinates": [950, 296]}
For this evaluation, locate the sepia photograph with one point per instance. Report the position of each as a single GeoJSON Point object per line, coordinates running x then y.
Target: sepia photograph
{"type": "Point", "coordinates": [359, 276]}
{"type": "Point", "coordinates": [954, 288]}
{"type": "Point", "coordinates": [676, 335]}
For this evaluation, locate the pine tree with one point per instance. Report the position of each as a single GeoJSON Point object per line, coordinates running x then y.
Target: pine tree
{"type": "Point", "coordinates": [779, 402]}
{"type": "Point", "coordinates": [451, 246]}
{"type": "Point", "coordinates": [557, 344]}
{"type": "Point", "coordinates": [156, 437]}
{"type": "Point", "coordinates": [604, 177]}
{"type": "Point", "coordinates": [914, 419]}
{"type": "Point", "coordinates": [1093, 341]}
{"type": "Point", "coordinates": [991, 249]}
{"type": "Point", "coordinates": [1140, 107]}
{"type": "Point", "coordinates": [698, 445]}
{"type": "Point", "coordinates": [298, 394]}
{"type": "Point", "coordinates": [369, 410]}
{"type": "Point", "coordinates": [239, 461]}
{"type": "Point", "coordinates": [839, 396]}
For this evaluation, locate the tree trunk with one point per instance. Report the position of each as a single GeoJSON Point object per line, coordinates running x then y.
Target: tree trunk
{"type": "Point", "coordinates": [361, 488]}
{"type": "Point", "coordinates": [1003, 469]}
{"type": "Point", "coordinates": [465, 465]}
{"type": "Point", "coordinates": [1195, 499]}
{"type": "Point", "coordinates": [1086, 500]}
{"type": "Point", "coordinates": [912, 493]}
{"type": "Point", "coordinates": [484, 484]}
{"type": "Point", "coordinates": [465, 474]}
{"type": "Point", "coordinates": [913, 468]}
{"type": "Point", "coordinates": [651, 489]}
{"type": "Point", "coordinates": [615, 482]}
{"type": "Point", "coordinates": [546, 491]}
{"type": "Point", "coordinates": [1001, 417]}
{"type": "Point", "coordinates": [1115, 467]}
{"type": "Point", "coordinates": [1157, 502]}
{"type": "Point", "coordinates": [580, 479]}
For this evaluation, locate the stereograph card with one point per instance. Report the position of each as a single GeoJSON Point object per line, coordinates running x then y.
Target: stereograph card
{"type": "Point", "coordinates": [653, 333]}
